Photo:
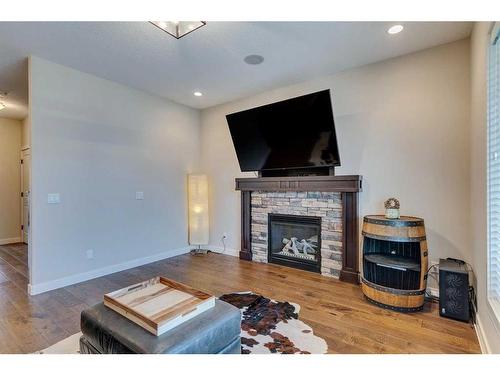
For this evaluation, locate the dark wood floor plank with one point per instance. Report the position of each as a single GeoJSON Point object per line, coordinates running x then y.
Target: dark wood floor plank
{"type": "Point", "coordinates": [16, 256]}
{"type": "Point", "coordinates": [3, 278]}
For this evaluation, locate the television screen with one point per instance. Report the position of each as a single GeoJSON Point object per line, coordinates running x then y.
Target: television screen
{"type": "Point", "coordinates": [291, 134]}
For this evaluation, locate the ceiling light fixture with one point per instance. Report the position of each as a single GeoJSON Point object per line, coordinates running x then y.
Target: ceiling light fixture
{"type": "Point", "coordinates": [197, 93]}
{"type": "Point", "coordinates": [2, 106]}
{"type": "Point", "coordinates": [396, 29]}
{"type": "Point", "coordinates": [178, 28]}
{"type": "Point", "coordinates": [253, 59]}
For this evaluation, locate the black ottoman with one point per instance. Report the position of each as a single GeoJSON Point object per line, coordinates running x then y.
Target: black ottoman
{"type": "Point", "coordinates": [216, 331]}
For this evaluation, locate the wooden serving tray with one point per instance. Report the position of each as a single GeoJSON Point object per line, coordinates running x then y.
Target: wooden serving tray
{"type": "Point", "coordinates": [159, 304]}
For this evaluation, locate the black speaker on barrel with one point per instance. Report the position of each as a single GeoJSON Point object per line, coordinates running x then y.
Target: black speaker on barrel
{"type": "Point", "coordinates": [455, 297]}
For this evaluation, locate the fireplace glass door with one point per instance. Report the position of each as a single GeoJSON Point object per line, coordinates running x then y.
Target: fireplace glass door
{"type": "Point", "coordinates": [295, 241]}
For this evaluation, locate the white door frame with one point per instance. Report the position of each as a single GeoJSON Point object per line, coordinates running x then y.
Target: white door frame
{"type": "Point", "coordinates": [25, 151]}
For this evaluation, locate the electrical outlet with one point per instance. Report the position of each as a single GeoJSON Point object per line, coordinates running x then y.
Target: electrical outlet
{"type": "Point", "coordinates": [139, 195]}
{"type": "Point", "coordinates": [90, 254]}
{"type": "Point", "coordinates": [53, 198]}
{"type": "Point", "coordinates": [434, 292]}
{"type": "Point", "coordinates": [434, 263]}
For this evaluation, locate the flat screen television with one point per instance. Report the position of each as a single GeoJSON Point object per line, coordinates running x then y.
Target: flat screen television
{"type": "Point", "coordinates": [291, 134]}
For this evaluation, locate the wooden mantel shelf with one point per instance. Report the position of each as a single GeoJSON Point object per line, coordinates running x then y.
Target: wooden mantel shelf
{"type": "Point", "coordinates": [348, 186]}
{"type": "Point", "coordinates": [339, 184]}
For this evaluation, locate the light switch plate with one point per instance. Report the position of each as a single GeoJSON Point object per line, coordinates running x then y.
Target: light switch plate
{"type": "Point", "coordinates": [139, 195]}
{"type": "Point", "coordinates": [90, 254]}
{"type": "Point", "coordinates": [53, 198]}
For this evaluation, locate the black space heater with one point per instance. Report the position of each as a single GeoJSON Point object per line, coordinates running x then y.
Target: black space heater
{"type": "Point", "coordinates": [457, 298]}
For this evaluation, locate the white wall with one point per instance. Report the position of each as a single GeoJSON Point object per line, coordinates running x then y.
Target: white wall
{"type": "Point", "coordinates": [26, 133]}
{"type": "Point", "coordinates": [96, 143]}
{"type": "Point", "coordinates": [403, 124]}
{"type": "Point", "coordinates": [479, 44]}
{"type": "Point", "coordinates": [10, 181]}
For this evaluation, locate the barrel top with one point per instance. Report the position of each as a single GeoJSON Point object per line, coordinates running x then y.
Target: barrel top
{"type": "Point", "coordinates": [402, 221]}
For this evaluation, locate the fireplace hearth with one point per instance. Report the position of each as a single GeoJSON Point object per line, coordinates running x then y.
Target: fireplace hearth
{"type": "Point", "coordinates": [295, 241]}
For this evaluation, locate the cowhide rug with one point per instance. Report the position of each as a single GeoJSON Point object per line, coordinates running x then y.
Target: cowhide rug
{"type": "Point", "coordinates": [267, 327]}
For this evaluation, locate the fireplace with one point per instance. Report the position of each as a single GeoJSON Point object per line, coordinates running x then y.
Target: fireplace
{"type": "Point", "coordinates": [296, 218]}
{"type": "Point", "coordinates": [333, 199]}
{"type": "Point", "coordinates": [295, 241]}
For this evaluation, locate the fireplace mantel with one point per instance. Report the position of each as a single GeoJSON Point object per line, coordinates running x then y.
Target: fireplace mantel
{"type": "Point", "coordinates": [348, 186]}
{"type": "Point", "coordinates": [341, 184]}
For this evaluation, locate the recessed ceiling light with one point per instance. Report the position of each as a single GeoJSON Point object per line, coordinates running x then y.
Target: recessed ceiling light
{"type": "Point", "coordinates": [2, 106]}
{"type": "Point", "coordinates": [197, 93]}
{"type": "Point", "coordinates": [178, 28]}
{"type": "Point", "coordinates": [395, 29]}
{"type": "Point", "coordinates": [254, 59]}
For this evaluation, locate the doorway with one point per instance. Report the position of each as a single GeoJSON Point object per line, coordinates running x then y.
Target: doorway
{"type": "Point", "coordinates": [14, 175]}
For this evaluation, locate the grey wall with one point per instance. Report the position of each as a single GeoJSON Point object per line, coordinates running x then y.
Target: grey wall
{"type": "Point", "coordinates": [402, 123]}
{"type": "Point", "coordinates": [96, 143]}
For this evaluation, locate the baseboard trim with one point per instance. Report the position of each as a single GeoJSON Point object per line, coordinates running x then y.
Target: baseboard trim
{"type": "Point", "coordinates": [483, 341]}
{"type": "Point", "coordinates": [7, 241]}
{"type": "Point", "coordinates": [220, 250]}
{"type": "Point", "coordinates": [34, 289]}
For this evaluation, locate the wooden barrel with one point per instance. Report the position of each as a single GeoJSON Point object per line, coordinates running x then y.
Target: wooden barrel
{"type": "Point", "coordinates": [395, 260]}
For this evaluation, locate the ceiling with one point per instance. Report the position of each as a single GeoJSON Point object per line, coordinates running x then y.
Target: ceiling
{"type": "Point", "coordinates": [210, 60]}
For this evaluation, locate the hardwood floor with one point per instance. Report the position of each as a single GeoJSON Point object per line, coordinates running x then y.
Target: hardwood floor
{"type": "Point", "coordinates": [336, 311]}
{"type": "Point", "coordinates": [16, 256]}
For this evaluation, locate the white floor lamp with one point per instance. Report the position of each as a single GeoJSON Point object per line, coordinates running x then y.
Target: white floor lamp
{"type": "Point", "coordinates": [198, 211]}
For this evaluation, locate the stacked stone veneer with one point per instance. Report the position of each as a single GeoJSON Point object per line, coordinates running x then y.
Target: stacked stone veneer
{"type": "Point", "coordinates": [326, 205]}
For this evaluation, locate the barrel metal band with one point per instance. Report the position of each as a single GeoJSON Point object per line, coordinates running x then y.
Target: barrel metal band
{"type": "Point", "coordinates": [395, 239]}
{"type": "Point", "coordinates": [395, 308]}
{"type": "Point", "coordinates": [394, 223]}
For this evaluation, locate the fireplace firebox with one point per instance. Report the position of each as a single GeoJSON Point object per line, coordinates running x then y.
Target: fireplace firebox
{"type": "Point", "coordinates": [295, 241]}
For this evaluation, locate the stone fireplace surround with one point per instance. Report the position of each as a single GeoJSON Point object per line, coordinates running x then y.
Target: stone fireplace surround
{"type": "Point", "coordinates": [333, 198]}
{"type": "Point", "coordinates": [326, 205]}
